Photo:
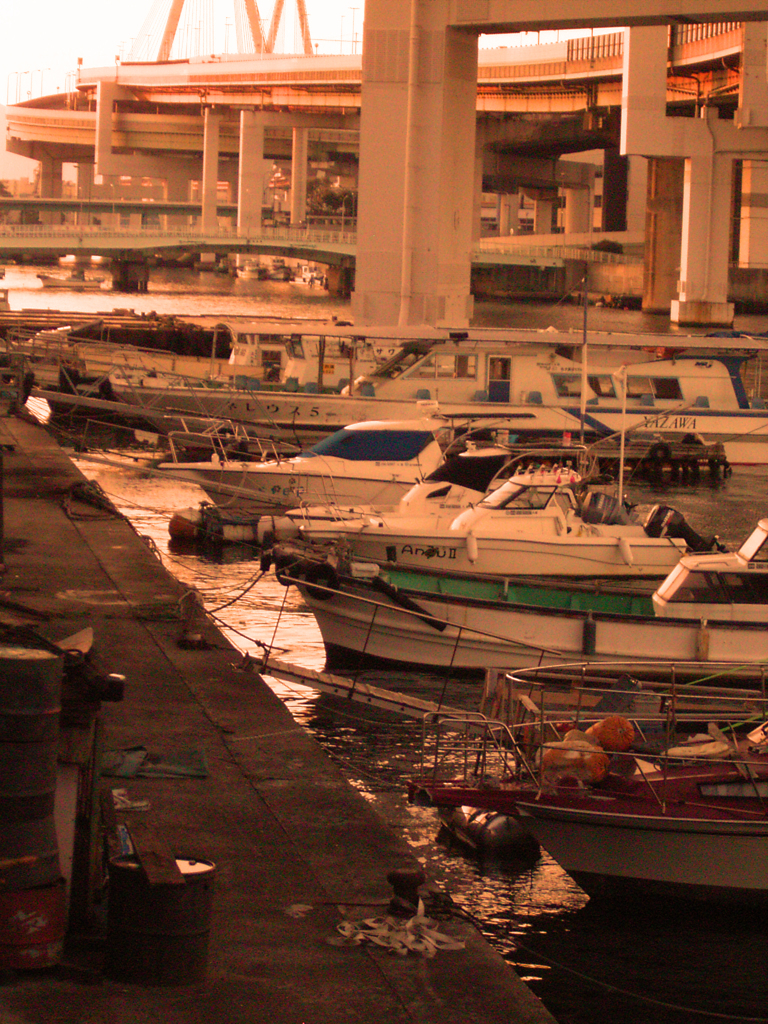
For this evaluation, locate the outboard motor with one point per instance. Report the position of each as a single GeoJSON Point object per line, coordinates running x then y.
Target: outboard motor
{"type": "Point", "coordinates": [604, 509]}
{"type": "Point", "coordinates": [664, 521]}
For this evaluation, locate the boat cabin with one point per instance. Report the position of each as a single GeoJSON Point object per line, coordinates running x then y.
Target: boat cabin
{"type": "Point", "coordinates": [724, 586]}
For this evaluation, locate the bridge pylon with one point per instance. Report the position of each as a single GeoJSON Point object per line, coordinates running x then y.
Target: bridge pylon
{"type": "Point", "coordinates": [249, 27]}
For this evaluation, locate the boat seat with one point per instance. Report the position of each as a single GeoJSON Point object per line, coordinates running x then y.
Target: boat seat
{"type": "Point", "coordinates": [343, 382]}
{"type": "Point", "coordinates": [423, 394]}
{"type": "Point", "coordinates": [480, 396]}
{"type": "Point", "coordinates": [311, 387]}
{"type": "Point", "coordinates": [702, 402]}
{"type": "Point", "coordinates": [367, 390]}
{"type": "Point", "coordinates": [534, 398]}
{"type": "Point", "coordinates": [757, 403]}
{"type": "Point", "coordinates": [646, 399]}
{"type": "Point", "coordinates": [292, 384]}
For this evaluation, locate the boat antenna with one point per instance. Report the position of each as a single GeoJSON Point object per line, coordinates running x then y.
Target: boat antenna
{"type": "Point", "coordinates": [583, 409]}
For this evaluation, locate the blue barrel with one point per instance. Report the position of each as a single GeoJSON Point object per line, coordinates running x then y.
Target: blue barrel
{"type": "Point", "coordinates": [158, 934]}
{"type": "Point", "coordinates": [30, 704]}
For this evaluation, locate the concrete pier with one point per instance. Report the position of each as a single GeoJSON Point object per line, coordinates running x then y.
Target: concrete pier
{"type": "Point", "coordinates": [296, 848]}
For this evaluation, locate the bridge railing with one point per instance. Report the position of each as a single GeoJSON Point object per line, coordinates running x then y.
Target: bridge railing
{"type": "Point", "coordinates": [565, 252]}
{"type": "Point", "coordinates": [192, 234]}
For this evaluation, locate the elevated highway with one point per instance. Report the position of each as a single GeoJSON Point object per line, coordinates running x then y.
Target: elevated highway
{"type": "Point", "coordinates": [218, 118]}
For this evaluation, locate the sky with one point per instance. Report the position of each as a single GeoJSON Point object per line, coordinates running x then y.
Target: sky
{"type": "Point", "coordinates": [41, 41]}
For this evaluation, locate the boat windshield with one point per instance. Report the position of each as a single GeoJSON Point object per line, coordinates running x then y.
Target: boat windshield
{"type": "Point", "coordinates": [725, 588]}
{"type": "Point", "coordinates": [512, 495]}
{"type": "Point", "coordinates": [372, 445]}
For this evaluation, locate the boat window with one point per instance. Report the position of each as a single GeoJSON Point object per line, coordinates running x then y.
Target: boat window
{"type": "Point", "coordinates": [373, 445]}
{"type": "Point", "coordinates": [746, 587]}
{"type": "Point", "coordinates": [425, 369]}
{"type": "Point", "coordinates": [567, 385]}
{"type": "Point", "coordinates": [699, 588]}
{"type": "Point", "coordinates": [659, 387]}
{"type": "Point", "coordinates": [518, 496]}
{"type": "Point", "coordinates": [295, 348]}
{"type": "Point", "coordinates": [499, 368]}
{"type": "Point", "coordinates": [602, 385]}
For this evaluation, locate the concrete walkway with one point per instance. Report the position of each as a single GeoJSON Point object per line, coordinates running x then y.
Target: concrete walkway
{"type": "Point", "coordinates": [296, 848]}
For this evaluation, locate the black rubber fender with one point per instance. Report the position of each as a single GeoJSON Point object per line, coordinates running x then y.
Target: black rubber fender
{"type": "Point", "coordinates": [324, 576]}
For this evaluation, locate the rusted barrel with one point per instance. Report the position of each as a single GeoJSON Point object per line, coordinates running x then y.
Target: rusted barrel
{"type": "Point", "coordinates": [30, 703]}
{"type": "Point", "coordinates": [32, 927]}
{"type": "Point", "coordinates": [158, 934]}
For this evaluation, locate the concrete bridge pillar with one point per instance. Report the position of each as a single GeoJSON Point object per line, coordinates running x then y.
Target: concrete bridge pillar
{"type": "Point", "coordinates": [299, 168]}
{"type": "Point", "coordinates": [578, 208]}
{"type": "Point", "coordinates": [130, 273]}
{"type": "Point", "coordinates": [508, 214]}
{"type": "Point", "coordinates": [704, 255]}
{"type": "Point", "coordinates": [250, 175]}
{"type": "Point", "coordinates": [177, 189]}
{"type": "Point", "coordinates": [663, 229]}
{"type": "Point", "coordinates": [753, 236]}
{"type": "Point", "coordinates": [210, 180]}
{"type": "Point", "coordinates": [417, 166]}
{"type": "Point", "coordinates": [50, 186]}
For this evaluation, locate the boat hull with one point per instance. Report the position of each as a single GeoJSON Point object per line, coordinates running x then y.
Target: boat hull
{"type": "Point", "coordinates": [437, 630]}
{"type": "Point", "coordinates": [656, 855]}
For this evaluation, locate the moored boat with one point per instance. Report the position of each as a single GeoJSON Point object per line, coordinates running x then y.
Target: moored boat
{"type": "Point", "coordinates": [438, 620]}
{"type": "Point", "coordinates": [371, 461]}
{"type": "Point", "coordinates": [544, 383]}
{"type": "Point", "coordinates": [630, 804]}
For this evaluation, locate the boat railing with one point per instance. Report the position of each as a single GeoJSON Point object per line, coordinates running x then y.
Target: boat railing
{"type": "Point", "coordinates": [526, 729]}
{"type": "Point", "coordinates": [228, 441]}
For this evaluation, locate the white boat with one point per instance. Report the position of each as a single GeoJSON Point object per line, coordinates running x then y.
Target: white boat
{"type": "Point", "coordinates": [683, 817]}
{"type": "Point", "coordinates": [252, 270]}
{"type": "Point", "coordinates": [374, 461]}
{"type": "Point", "coordinates": [75, 281]}
{"type": "Point", "coordinates": [439, 619]}
{"type": "Point", "coordinates": [546, 384]}
{"type": "Point", "coordinates": [538, 517]}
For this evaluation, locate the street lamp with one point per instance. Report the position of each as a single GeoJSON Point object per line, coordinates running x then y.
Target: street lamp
{"type": "Point", "coordinates": [354, 40]}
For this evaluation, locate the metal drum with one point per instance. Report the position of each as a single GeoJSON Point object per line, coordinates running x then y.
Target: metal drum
{"type": "Point", "coordinates": [30, 703]}
{"type": "Point", "coordinates": [32, 927]}
{"type": "Point", "coordinates": [157, 934]}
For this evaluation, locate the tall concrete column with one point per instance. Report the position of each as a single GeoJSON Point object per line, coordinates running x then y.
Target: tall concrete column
{"type": "Point", "coordinates": [704, 255]}
{"type": "Point", "coordinates": [753, 236]}
{"type": "Point", "coordinates": [663, 231]}
{"type": "Point", "coordinates": [615, 190]}
{"type": "Point", "coordinates": [50, 186]}
{"type": "Point", "coordinates": [250, 177]}
{"type": "Point", "coordinates": [542, 214]}
{"type": "Point", "coordinates": [578, 207]}
{"type": "Point", "coordinates": [417, 166]}
{"type": "Point", "coordinates": [210, 168]}
{"type": "Point", "coordinates": [509, 214]}
{"type": "Point", "coordinates": [299, 169]}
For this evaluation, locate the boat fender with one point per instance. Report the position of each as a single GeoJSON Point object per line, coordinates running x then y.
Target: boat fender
{"type": "Point", "coordinates": [185, 524]}
{"type": "Point", "coordinates": [472, 551]}
{"type": "Point", "coordinates": [626, 550]}
{"type": "Point", "coordinates": [324, 577]}
{"type": "Point", "coordinates": [589, 636]}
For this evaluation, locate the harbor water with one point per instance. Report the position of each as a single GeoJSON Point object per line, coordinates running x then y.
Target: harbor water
{"type": "Point", "coordinates": [588, 962]}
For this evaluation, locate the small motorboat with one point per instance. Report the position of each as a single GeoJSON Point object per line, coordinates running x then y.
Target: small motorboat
{"type": "Point", "coordinates": [74, 281]}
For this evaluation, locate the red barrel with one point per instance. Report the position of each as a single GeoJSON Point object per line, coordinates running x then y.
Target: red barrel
{"type": "Point", "coordinates": [158, 934]}
{"type": "Point", "coordinates": [32, 927]}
